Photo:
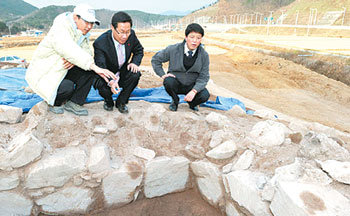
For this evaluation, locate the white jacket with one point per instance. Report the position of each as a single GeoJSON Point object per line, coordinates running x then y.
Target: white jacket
{"type": "Point", "coordinates": [64, 40]}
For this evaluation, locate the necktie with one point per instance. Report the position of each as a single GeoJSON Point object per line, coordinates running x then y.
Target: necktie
{"type": "Point", "coordinates": [190, 54]}
{"type": "Point", "coordinates": [121, 57]}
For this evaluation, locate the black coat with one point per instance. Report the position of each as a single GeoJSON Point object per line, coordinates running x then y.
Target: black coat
{"type": "Point", "coordinates": [106, 55]}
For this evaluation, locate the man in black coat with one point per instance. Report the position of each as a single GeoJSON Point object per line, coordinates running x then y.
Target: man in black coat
{"type": "Point", "coordinates": [113, 50]}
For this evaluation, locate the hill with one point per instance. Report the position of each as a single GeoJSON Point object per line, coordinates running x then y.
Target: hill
{"type": "Point", "coordinates": [322, 12]}
{"type": "Point", "coordinates": [323, 7]}
{"type": "Point", "coordinates": [217, 11]}
{"type": "Point", "coordinates": [13, 9]}
{"type": "Point", "coordinates": [43, 18]}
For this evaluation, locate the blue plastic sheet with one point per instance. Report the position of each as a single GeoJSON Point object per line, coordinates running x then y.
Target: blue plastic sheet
{"type": "Point", "coordinates": [12, 85]}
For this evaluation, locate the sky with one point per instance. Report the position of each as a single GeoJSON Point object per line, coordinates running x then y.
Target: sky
{"type": "Point", "coordinates": [150, 6]}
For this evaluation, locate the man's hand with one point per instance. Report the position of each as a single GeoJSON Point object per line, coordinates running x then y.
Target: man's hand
{"type": "Point", "coordinates": [66, 64]}
{"type": "Point", "coordinates": [190, 95]}
{"type": "Point", "coordinates": [133, 67]}
{"type": "Point", "coordinates": [168, 75]}
{"type": "Point", "coordinates": [104, 73]}
{"type": "Point", "coordinates": [114, 86]}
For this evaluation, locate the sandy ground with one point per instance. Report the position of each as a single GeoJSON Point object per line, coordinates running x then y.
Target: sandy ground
{"type": "Point", "coordinates": [270, 81]}
{"type": "Point", "coordinates": [278, 84]}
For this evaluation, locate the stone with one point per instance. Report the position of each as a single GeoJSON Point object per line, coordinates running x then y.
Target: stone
{"type": "Point", "coordinates": [219, 137]}
{"type": "Point", "coordinates": [298, 127]}
{"type": "Point", "coordinates": [68, 200]}
{"type": "Point", "coordinates": [223, 151]}
{"type": "Point", "coordinates": [100, 130]}
{"type": "Point", "coordinates": [227, 168]}
{"type": "Point", "coordinates": [57, 169]}
{"type": "Point", "coordinates": [320, 147]}
{"type": "Point", "coordinates": [231, 210]}
{"type": "Point", "coordinates": [14, 204]}
{"type": "Point", "coordinates": [302, 172]}
{"type": "Point", "coordinates": [340, 171]}
{"type": "Point", "coordinates": [195, 151]}
{"type": "Point", "coordinates": [265, 114]}
{"type": "Point", "coordinates": [268, 133]}
{"type": "Point", "coordinates": [22, 150]}
{"type": "Point", "coordinates": [244, 161]}
{"type": "Point", "coordinates": [144, 153]}
{"type": "Point", "coordinates": [8, 181]}
{"type": "Point", "coordinates": [99, 160]}
{"type": "Point", "coordinates": [298, 199]}
{"type": "Point", "coordinates": [120, 185]}
{"type": "Point", "coordinates": [216, 120]}
{"type": "Point", "coordinates": [208, 179]}
{"type": "Point", "coordinates": [9, 114]}
{"type": "Point", "coordinates": [77, 180]}
{"type": "Point", "coordinates": [238, 110]}
{"type": "Point", "coordinates": [165, 175]}
{"type": "Point", "coordinates": [243, 188]}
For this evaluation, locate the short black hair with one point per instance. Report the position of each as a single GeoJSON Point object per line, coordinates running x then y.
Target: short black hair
{"type": "Point", "coordinates": [194, 27]}
{"type": "Point", "coordinates": [121, 17]}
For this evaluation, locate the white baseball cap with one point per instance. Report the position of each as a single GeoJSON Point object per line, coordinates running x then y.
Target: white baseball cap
{"type": "Point", "coordinates": [86, 12]}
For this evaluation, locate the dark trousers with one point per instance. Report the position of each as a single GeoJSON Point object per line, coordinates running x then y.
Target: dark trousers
{"type": "Point", "coordinates": [128, 81]}
{"type": "Point", "coordinates": [173, 87]}
{"type": "Point", "coordinates": [75, 86]}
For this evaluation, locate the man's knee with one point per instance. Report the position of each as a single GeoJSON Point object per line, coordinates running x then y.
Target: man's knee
{"type": "Point", "coordinates": [169, 82]}
{"type": "Point", "coordinates": [136, 76]}
{"type": "Point", "coordinates": [204, 95]}
{"type": "Point", "coordinates": [66, 87]}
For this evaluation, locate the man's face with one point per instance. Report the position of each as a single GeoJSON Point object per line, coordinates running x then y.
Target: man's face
{"type": "Point", "coordinates": [193, 40]}
{"type": "Point", "coordinates": [83, 25]}
{"type": "Point", "coordinates": [122, 32]}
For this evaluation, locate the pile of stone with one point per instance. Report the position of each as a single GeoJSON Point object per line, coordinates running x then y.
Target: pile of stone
{"type": "Point", "coordinates": [242, 165]}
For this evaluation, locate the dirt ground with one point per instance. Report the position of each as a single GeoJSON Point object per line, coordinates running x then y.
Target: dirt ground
{"type": "Point", "coordinates": [279, 84]}
{"type": "Point", "coordinates": [186, 203]}
{"type": "Point", "coordinates": [273, 82]}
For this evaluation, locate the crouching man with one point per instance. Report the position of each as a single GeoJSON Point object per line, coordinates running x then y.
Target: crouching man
{"type": "Point", "coordinates": [62, 68]}
{"type": "Point", "coordinates": [188, 71]}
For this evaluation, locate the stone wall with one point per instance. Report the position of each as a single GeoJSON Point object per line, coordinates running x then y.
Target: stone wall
{"type": "Point", "coordinates": [242, 165]}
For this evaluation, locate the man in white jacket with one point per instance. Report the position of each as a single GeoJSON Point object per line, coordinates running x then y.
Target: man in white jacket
{"type": "Point", "coordinates": [62, 66]}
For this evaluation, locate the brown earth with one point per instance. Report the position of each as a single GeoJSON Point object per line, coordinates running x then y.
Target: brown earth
{"type": "Point", "coordinates": [270, 81]}
{"type": "Point", "coordinates": [281, 85]}
{"type": "Point", "coordinates": [186, 203]}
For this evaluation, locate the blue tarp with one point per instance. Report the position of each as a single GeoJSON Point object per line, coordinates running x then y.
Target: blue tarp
{"type": "Point", "coordinates": [12, 85]}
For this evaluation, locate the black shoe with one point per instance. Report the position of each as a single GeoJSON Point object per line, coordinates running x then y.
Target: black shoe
{"type": "Point", "coordinates": [195, 108]}
{"type": "Point", "coordinates": [122, 108]}
{"type": "Point", "coordinates": [107, 106]}
{"type": "Point", "coordinates": [173, 106]}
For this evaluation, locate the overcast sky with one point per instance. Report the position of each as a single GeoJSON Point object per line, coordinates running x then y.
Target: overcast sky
{"type": "Point", "coordinates": [151, 6]}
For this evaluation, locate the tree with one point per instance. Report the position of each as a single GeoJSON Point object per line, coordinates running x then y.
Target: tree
{"type": "Point", "coordinates": [3, 27]}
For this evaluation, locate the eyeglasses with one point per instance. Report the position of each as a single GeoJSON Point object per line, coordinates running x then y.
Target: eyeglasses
{"type": "Point", "coordinates": [123, 33]}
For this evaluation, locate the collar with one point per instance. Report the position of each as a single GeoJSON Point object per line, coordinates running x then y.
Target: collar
{"type": "Point", "coordinates": [76, 30]}
{"type": "Point", "coordinates": [186, 50]}
{"type": "Point", "coordinates": [116, 43]}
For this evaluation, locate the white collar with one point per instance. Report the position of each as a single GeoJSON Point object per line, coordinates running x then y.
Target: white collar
{"type": "Point", "coordinates": [75, 28]}
{"type": "Point", "coordinates": [116, 43]}
{"type": "Point", "coordinates": [186, 50]}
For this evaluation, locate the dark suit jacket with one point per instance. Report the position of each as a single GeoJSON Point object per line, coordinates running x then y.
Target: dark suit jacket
{"type": "Point", "coordinates": [106, 55]}
{"type": "Point", "coordinates": [198, 74]}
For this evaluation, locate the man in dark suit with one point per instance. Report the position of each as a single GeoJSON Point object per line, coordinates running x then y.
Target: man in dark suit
{"type": "Point", "coordinates": [113, 50]}
{"type": "Point", "coordinates": [188, 70]}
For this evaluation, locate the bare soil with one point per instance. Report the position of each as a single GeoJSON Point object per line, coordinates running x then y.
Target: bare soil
{"type": "Point", "coordinates": [188, 203]}
{"type": "Point", "coordinates": [271, 81]}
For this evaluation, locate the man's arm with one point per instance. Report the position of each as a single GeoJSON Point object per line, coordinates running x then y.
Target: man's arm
{"type": "Point", "coordinates": [203, 77]}
{"type": "Point", "coordinates": [158, 59]}
{"type": "Point", "coordinates": [137, 52]}
{"type": "Point", "coordinates": [99, 56]}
